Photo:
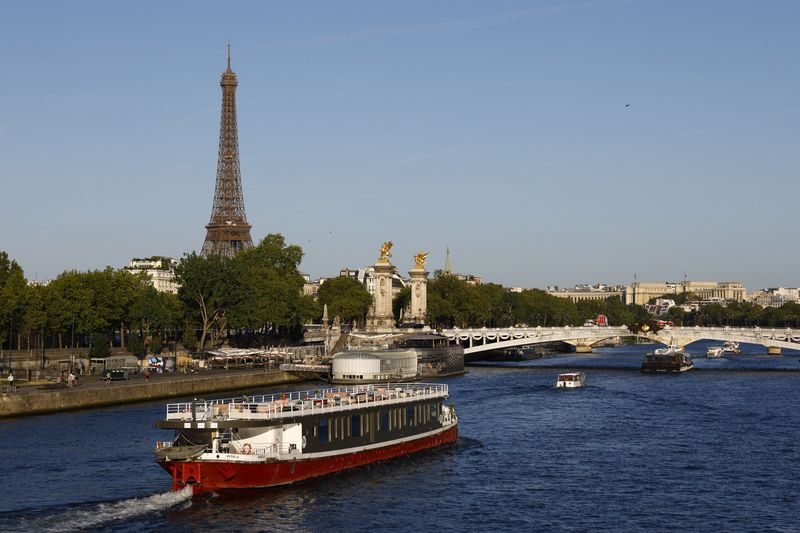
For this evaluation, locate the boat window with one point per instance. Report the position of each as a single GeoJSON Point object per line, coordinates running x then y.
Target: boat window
{"type": "Point", "coordinates": [355, 425]}
{"type": "Point", "coordinates": [324, 435]}
{"type": "Point", "coordinates": [383, 422]}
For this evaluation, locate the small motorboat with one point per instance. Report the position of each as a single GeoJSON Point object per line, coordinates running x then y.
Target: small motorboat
{"type": "Point", "coordinates": [715, 352]}
{"type": "Point", "coordinates": [731, 347]}
{"type": "Point", "coordinates": [669, 350]}
{"type": "Point", "coordinates": [570, 380]}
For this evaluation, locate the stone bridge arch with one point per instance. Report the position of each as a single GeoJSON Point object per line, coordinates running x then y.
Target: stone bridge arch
{"type": "Point", "coordinates": [584, 337]}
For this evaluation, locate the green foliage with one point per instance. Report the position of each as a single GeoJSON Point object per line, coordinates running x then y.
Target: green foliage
{"type": "Point", "coordinates": [99, 346]}
{"type": "Point", "coordinates": [401, 301]}
{"type": "Point", "coordinates": [453, 302]}
{"type": "Point", "coordinates": [273, 297]}
{"type": "Point", "coordinates": [136, 345]}
{"type": "Point", "coordinates": [617, 313]}
{"type": "Point", "coordinates": [346, 298]}
{"type": "Point", "coordinates": [189, 338]}
{"type": "Point", "coordinates": [13, 291]}
{"type": "Point", "coordinates": [209, 286]}
{"type": "Point", "coordinates": [152, 310]}
{"type": "Point", "coordinates": [156, 344]}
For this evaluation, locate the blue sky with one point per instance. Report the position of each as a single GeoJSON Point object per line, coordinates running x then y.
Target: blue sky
{"type": "Point", "coordinates": [544, 142]}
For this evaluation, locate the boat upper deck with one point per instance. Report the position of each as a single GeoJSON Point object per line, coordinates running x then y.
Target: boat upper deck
{"type": "Point", "coordinates": [302, 403]}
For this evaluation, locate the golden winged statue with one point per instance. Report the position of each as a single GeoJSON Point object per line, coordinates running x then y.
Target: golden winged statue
{"type": "Point", "coordinates": [419, 260]}
{"type": "Point", "coordinates": [386, 251]}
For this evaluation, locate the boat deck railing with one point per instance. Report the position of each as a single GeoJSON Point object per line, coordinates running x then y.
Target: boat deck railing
{"type": "Point", "coordinates": [300, 403]}
{"type": "Point", "coordinates": [254, 452]}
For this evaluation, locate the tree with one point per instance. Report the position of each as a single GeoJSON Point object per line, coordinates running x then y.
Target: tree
{"type": "Point", "coordinates": [136, 345]}
{"type": "Point", "coordinates": [615, 310]}
{"type": "Point", "coordinates": [346, 298]}
{"type": "Point", "coordinates": [209, 286]}
{"type": "Point", "coordinates": [100, 348]}
{"type": "Point", "coordinates": [189, 338]}
{"type": "Point", "coordinates": [153, 311]}
{"type": "Point", "coordinates": [13, 287]}
{"type": "Point", "coordinates": [272, 300]}
{"type": "Point", "coordinates": [401, 302]}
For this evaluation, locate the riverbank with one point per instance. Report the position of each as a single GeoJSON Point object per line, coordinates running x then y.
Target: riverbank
{"type": "Point", "coordinates": [95, 392]}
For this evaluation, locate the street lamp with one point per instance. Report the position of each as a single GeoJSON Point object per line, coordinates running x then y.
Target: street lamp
{"type": "Point", "coordinates": [10, 337]}
{"type": "Point", "coordinates": [42, 362]}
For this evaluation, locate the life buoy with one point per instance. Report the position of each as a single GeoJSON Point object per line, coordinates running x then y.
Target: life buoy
{"type": "Point", "coordinates": [304, 442]}
{"type": "Point", "coordinates": [247, 449]}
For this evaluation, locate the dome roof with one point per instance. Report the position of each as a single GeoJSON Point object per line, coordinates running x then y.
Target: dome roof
{"type": "Point", "coordinates": [355, 355]}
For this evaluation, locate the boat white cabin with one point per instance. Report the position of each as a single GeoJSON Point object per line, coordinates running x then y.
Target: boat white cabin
{"type": "Point", "coordinates": [715, 352]}
{"type": "Point", "coordinates": [570, 380]}
{"type": "Point", "coordinates": [731, 347]}
{"type": "Point", "coordinates": [669, 350]}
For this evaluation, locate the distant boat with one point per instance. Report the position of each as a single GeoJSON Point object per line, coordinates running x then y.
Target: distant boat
{"type": "Point", "coordinates": [669, 350]}
{"type": "Point", "coordinates": [715, 352]}
{"type": "Point", "coordinates": [667, 362]}
{"type": "Point", "coordinates": [731, 347]}
{"type": "Point", "coordinates": [570, 380]}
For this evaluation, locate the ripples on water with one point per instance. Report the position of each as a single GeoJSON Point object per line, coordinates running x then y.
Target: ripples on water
{"type": "Point", "coordinates": [701, 451]}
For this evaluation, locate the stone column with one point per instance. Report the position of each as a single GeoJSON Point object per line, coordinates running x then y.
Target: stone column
{"type": "Point", "coordinates": [419, 296]}
{"type": "Point", "coordinates": [381, 318]}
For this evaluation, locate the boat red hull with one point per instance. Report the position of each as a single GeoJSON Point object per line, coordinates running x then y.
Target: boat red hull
{"type": "Point", "coordinates": [208, 475]}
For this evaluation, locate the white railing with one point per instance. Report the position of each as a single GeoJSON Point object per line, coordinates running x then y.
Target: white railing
{"type": "Point", "coordinates": [541, 334]}
{"type": "Point", "coordinates": [263, 450]}
{"type": "Point", "coordinates": [296, 403]}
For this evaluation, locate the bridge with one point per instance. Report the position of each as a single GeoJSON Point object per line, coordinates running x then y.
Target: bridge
{"type": "Point", "coordinates": [584, 337]}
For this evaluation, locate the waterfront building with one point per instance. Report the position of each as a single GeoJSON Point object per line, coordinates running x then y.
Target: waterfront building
{"type": "Point", "coordinates": [660, 307]}
{"type": "Point", "coordinates": [366, 276]}
{"type": "Point", "coordinates": [310, 288]}
{"type": "Point", "coordinates": [160, 270]}
{"type": "Point", "coordinates": [726, 291]}
{"type": "Point", "coordinates": [373, 366]}
{"type": "Point", "coordinates": [775, 296]}
{"type": "Point", "coordinates": [228, 231]}
{"type": "Point", "coordinates": [581, 292]}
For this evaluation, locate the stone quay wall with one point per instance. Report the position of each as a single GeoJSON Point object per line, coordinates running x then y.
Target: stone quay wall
{"type": "Point", "coordinates": [41, 402]}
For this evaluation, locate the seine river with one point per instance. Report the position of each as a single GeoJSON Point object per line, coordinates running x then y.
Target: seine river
{"type": "Point", "coordinates": [701, 451]}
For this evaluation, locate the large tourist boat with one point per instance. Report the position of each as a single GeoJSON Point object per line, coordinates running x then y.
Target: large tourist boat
{"type": "Point", "coordinates": [281, 438]}
{"type": "Point", "coordinates": [667, 361]}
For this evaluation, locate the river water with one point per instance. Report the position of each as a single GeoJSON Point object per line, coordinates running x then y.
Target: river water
{"type": "Point", "coordinates": [701, 451]}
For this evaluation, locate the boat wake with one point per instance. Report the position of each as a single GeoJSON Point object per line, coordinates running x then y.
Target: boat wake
{"type": "Point", "coordinates": [94, 516]}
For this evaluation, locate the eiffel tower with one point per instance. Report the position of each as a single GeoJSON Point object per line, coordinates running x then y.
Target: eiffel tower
{"type": "Point", "coordinates": [228, 231]}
